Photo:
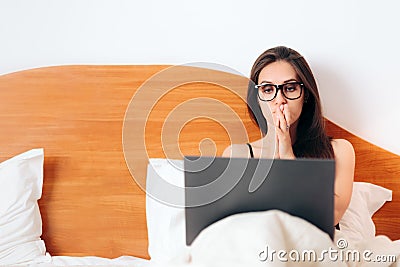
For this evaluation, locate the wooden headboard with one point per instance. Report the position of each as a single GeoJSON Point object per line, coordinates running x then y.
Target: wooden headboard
{"type": "Point", "coordinates": [91, 204]}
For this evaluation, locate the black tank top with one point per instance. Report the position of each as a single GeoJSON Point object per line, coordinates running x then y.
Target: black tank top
{"type": "Point", "coordinates": [251, 150]}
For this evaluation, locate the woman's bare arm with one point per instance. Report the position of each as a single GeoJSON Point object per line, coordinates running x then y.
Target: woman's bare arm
{"type": "Point", "coordinates": [344, 176]}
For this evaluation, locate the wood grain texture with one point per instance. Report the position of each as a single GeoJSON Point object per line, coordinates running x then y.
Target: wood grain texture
{"type": "Point", "coordinates": [91, 204]}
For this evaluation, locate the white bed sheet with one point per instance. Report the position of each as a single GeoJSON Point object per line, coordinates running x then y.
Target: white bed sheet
{"type": "Point", "coordinates": [50, 261]}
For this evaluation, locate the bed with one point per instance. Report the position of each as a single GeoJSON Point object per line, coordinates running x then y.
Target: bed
{"type": "Point", "coordinates": [99, 125]}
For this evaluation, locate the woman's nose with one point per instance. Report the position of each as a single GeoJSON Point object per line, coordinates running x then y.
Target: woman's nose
{"type": "Point", "coordinates": [280, 99]}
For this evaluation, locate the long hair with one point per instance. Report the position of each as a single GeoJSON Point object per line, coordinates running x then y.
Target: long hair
{"type": "Point", "coordinates": [311, 140]}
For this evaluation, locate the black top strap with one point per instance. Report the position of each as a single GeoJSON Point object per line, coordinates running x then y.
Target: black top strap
{"type": "Point", "coordinates": [251, 150]}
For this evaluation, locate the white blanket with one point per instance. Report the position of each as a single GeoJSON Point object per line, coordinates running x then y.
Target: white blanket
{"type": "Point", "coordinates": [274, 238]}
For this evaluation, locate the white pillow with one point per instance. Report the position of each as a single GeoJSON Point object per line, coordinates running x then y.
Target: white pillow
{"type": "Point", "coordinates": [366, 199]}
{"type": "Point", "coordinates": [165, 223]}
{"type": "Point", "coordinates": [21, 179]}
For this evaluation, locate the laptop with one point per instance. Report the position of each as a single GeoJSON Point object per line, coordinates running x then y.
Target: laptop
{"type": "Point", "coordinates": [217, 187]}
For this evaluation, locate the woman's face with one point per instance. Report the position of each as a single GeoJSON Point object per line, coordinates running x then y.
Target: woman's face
{"type": "Point", "coordinates": [280, 72]}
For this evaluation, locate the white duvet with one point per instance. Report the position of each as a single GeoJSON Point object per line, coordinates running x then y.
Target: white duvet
{"type": "Point", "coordinates": [274, 238]}
{"type": "Point", "coordinates": [271, 238]}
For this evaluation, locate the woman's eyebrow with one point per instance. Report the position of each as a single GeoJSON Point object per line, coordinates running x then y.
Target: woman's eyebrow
{"type": "Point", "coordinates": [290, 80]}
{"type": "Point", "coordinates": [266, 82]}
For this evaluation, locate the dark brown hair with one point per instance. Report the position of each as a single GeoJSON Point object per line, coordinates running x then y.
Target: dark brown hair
{"type": "Point", "coordinates": [312, 140]}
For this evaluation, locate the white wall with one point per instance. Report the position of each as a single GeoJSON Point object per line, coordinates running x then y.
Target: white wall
{"type": "Point", "coordinates": [351, 45]}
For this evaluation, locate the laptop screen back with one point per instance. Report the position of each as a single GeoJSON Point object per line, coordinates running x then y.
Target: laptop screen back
{"type": "Point", "coordinates": [219, 187]}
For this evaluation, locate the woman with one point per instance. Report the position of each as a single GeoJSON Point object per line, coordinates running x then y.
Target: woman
{"type": "Point", "coordinates": [283, 100]}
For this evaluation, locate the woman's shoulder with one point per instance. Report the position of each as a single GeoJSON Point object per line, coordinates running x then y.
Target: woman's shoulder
{"type": "Point", "coordinates": [236, 151]}
{"type": "Point", "coordinates": [342, 148]}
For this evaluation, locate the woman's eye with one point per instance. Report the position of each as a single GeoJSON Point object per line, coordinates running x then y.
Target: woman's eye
{"type": "Point", "coordinates": [290, 88]}
{"type": "Point", "coordinates": [268, 89]}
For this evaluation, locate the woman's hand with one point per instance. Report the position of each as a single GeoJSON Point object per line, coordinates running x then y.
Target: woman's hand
{"type": "Point", "coordinates": [284, 148]}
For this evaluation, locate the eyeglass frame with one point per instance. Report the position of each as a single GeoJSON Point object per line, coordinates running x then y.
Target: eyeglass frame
{"type": "Point", "coordinates": [279, 87]}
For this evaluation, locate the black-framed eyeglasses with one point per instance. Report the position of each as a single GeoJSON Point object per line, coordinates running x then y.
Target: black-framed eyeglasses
{"type": "Point", "coordinates": [290, 90]}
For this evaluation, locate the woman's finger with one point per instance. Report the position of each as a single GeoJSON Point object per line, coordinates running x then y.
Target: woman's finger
{"type": "Point", "coordinates": [276, 154]}
{"type": "Point", "coordinates": [286, 114]}
{"type": "Point", "coordinates": [281, 118]}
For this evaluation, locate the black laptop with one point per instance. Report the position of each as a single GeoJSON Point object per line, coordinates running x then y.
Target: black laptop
{"type": "Point", "coordinates": [219, 187]}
